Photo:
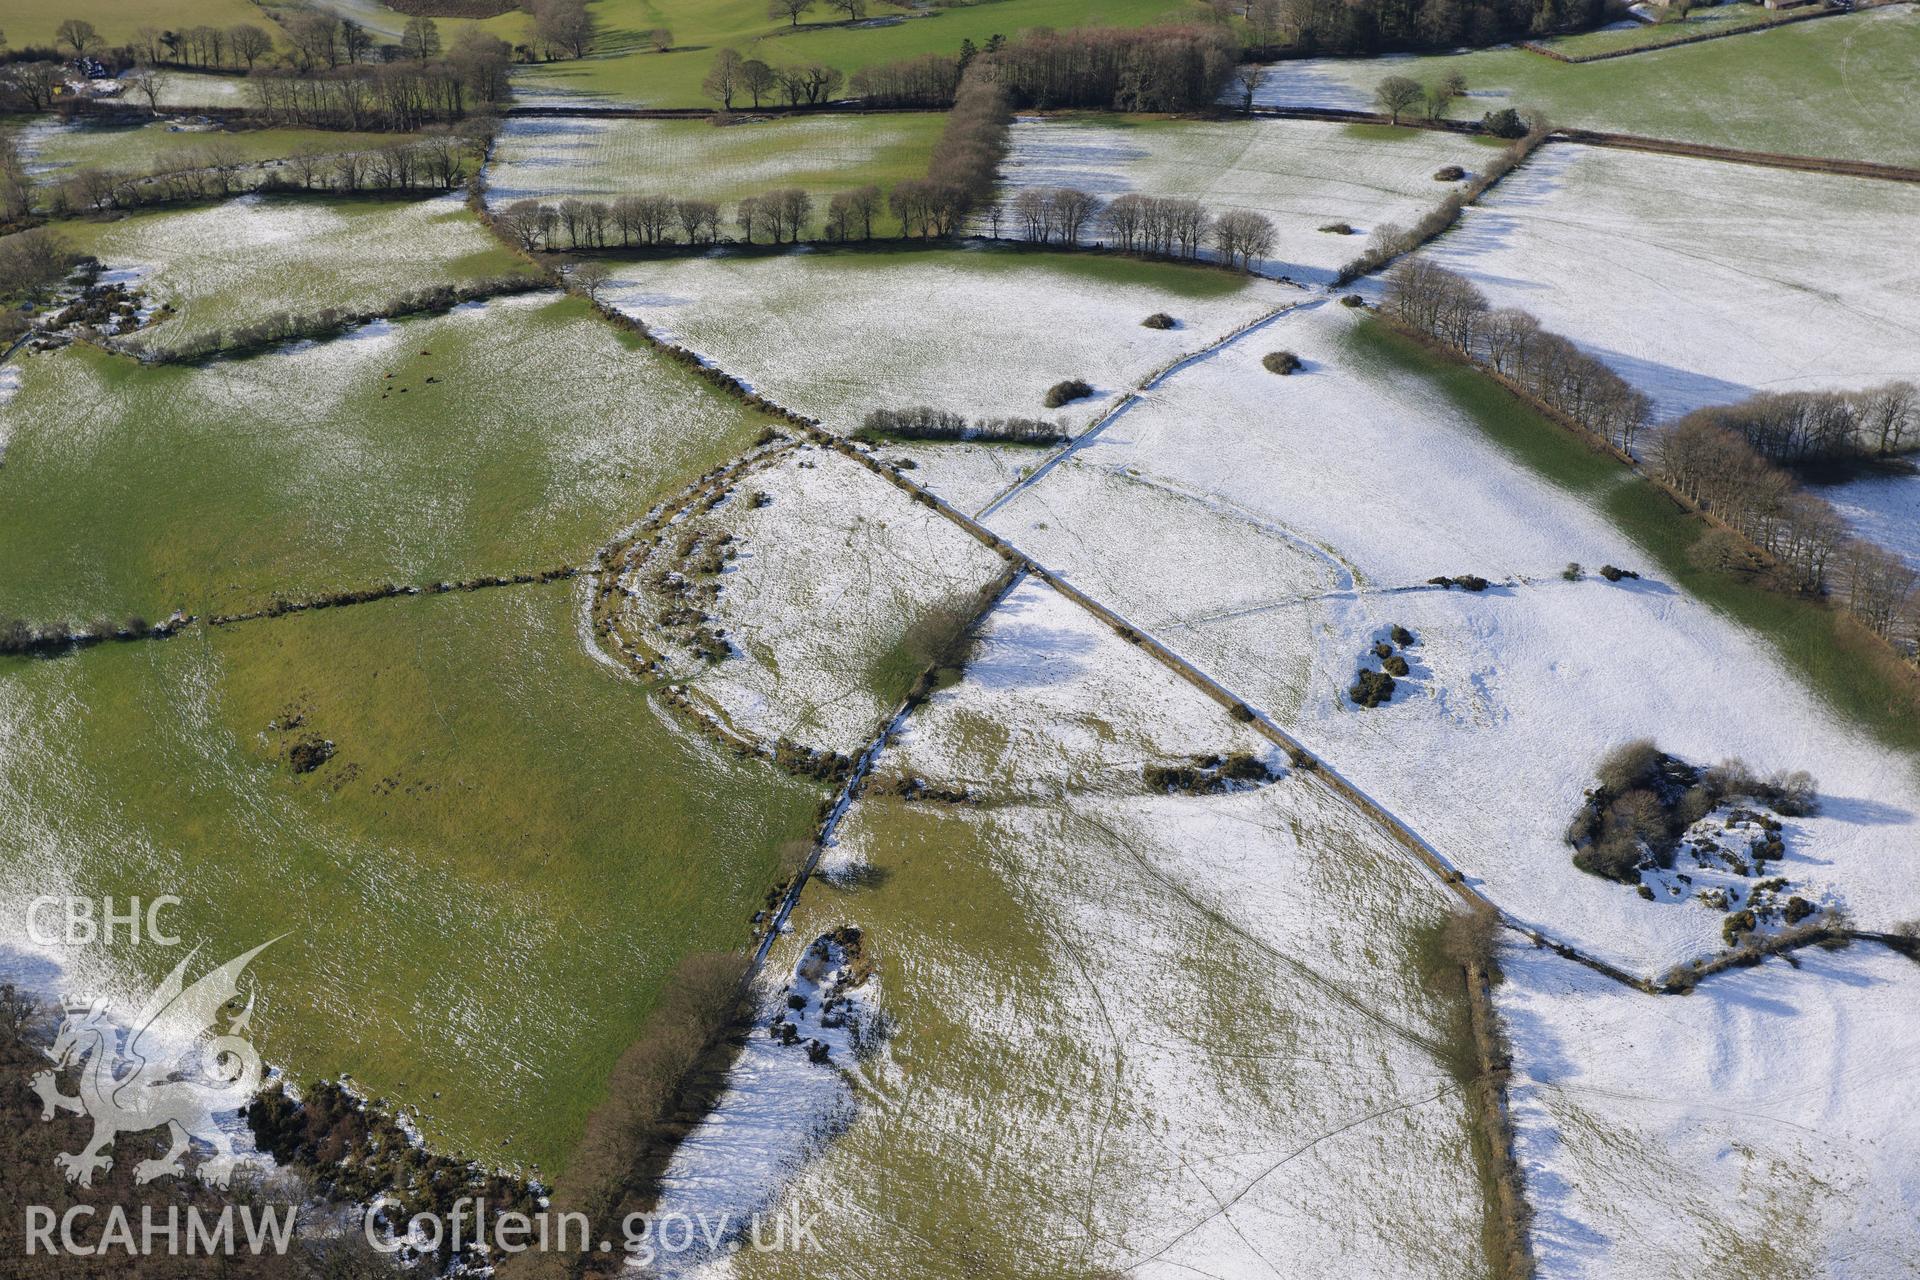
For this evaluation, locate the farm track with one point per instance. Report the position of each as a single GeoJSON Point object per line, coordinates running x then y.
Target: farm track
{"type": "Point", "coordinates": [1126, 402]}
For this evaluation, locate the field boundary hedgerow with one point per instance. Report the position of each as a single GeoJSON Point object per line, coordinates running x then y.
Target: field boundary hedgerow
{"type": "Point", "coordinates": [1734, 155]}
{"type": "Point", "coordinates": [273, 332]}
{"type": "Point", "coordinates": [1822, 11]}
{"type": "Point", "coordinates": [1604, 138]}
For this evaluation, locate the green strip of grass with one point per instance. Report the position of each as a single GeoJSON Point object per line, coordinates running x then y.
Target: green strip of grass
{"type": "Point", "coordinates": [1838, 661]}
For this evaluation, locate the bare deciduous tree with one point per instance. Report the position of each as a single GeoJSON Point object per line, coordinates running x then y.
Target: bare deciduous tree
{"type": "Point", "coordinates": [1397, 93]}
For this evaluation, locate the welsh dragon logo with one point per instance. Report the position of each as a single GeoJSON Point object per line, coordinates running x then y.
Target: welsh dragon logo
{"type": "Point", "coordinates": [135, 1078]}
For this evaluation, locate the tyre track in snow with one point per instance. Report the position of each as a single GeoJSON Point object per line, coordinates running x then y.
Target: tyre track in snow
{"type": "Point", "coordinates": [1132, 398]}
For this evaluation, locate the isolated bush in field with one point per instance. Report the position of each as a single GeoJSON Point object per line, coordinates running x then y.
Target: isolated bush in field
{"type": "Point", "coordinates": [1338, 228]}
{"type": "Point", "coordinates": [1400, 636]}
{"type": "Point", "coordinates": [1451, 173]}
{"type": "Point", "coordinates": [1395, 665]}
{"type": "Point", "coordinates": [1371, 688]}
{"type": "Point", "coordinates": [1158, 320]}
{"type": "Point", "coordinates": [1572, 572]}
{"type": "Point", "coordinates": [1613, 573]}
{"type": "Point", "coordinates": [1065, 392]}
{"type": "Point", "coordinates": [1281, 362]}
{"type": "Point", "coordinates": [1352, 300]}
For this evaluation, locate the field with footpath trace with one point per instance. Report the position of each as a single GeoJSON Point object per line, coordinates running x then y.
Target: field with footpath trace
{"type": "Point", "coordinates": [1103, 662]}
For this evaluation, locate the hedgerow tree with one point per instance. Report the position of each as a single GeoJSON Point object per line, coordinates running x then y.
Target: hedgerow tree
{"type": "Point", "coordinates": [723, 77]}
{"type": "Point", "coordinates": [1396, 94]}
{"type": "Point", "coordinates": [788, 9]}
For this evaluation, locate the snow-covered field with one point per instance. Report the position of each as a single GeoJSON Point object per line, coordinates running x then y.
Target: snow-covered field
{"type": "Point", "coordinates": [1703, 282]}
{"type": "Point", "coordinates": [1302, 174]}
{"type": "Point", "coordinates": [979, 332]}
{"type": "Point", "coordinates": [1513, 694]}
{"type": "Point", "coordinates": [600, 159]}
{"type": "Point", "coordinates": [1882, 509]}
{"type": "Point", "coordinates": [1763, 1126]}
{"type": "Point", "coordinates": [831, 567]}
{"type": "Point", "coordinates": [255, 255]}
{"type": "Point", "coordinates": [1126, 1031]}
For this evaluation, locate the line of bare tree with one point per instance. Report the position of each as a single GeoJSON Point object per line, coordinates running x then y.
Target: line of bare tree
{"type": "Point", "coordinates": [930, 80]}
{"type": "Point", "coordinates": [396, 96]}
{"type": "Point", "coordinates": [426, 164]}
{"type": "Point", "coordinates": [1809, 428]}
{"type": "Point", "coordinates": [1704, 458]}
{"type": "Point", "coordinates": [1715, 468]}
{"type": "Point", "coordinates": [1166, 68]}
{"type": "Point", "coordinates": [1157, 226]}
{"type": "Point", "coordinates": [1375, 26]}
{"type": "Point", "coordinates": [733, 77]}
{"type": "Point", "coordinates": [965, 163]}
{"type": "Point", "coordinates": [626, 223]}
{"type": "Point", "coordinates": [1450, 308]}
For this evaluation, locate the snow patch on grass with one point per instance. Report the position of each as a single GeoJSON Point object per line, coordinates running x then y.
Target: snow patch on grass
{"type": "Point", "coordinates": [1882, 509]}
{"type": "Point", "coordinates": [1767, 1122]}
{"type": "Point", "coordinates": [1302, 174]}
{"type": "Point", "coordinates": [1702, 282]}
{"type": "Point", "coordinates": [833, 335]}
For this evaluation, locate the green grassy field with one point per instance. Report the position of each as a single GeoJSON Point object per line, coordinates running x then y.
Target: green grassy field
{"type": "Point", "coordinates": [692, 159]}
{"type": "Point", "coordinates": [34, 21]}
{"type": "Point", "coordinates": [481, 891]}
{"type": "Point", "coordinates": [1815, 641]}
{"type": "Point", "coordinates": [1725, 19]}
{"type": "Point", "coordinates": [1827, 88]}
{"type": "Point", "coordinates": [149, 147]}
{"type": "Point", "coordinates": [625, 67]}
{"type": "Point", "coordinates": [139, 489]}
